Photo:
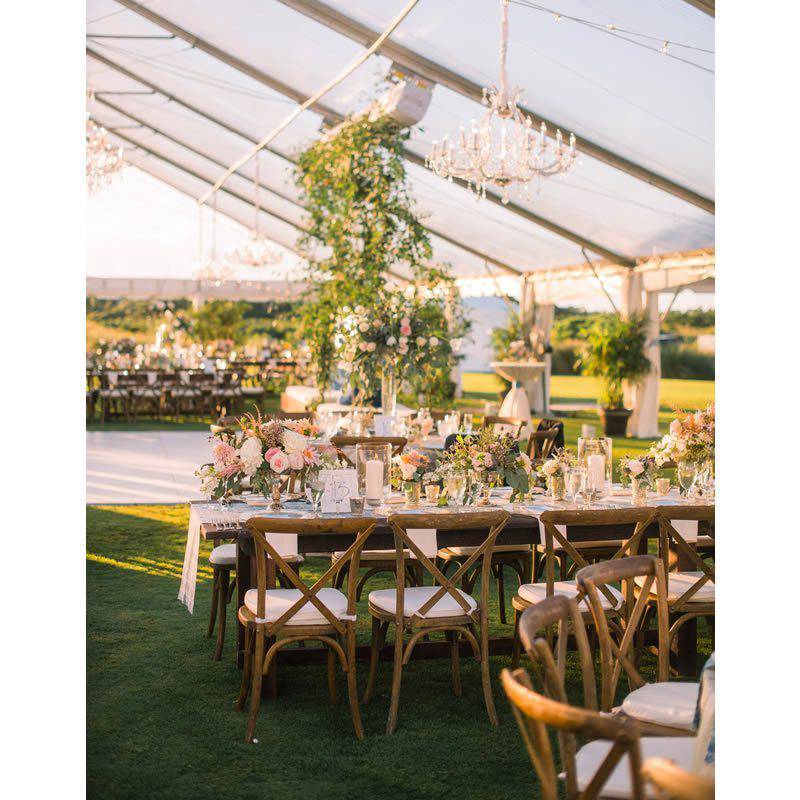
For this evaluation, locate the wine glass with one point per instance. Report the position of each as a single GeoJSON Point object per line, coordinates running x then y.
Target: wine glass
{"type": "Point", "coordinates": [687, 475]}
{"type": "Point", "coordinates": [576, 479]}
{"type": "Point", "coordinates": [316, 487]}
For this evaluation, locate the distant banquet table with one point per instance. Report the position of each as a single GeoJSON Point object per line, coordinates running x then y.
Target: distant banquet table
{"type": "Point", "coordinates": [517, 403]}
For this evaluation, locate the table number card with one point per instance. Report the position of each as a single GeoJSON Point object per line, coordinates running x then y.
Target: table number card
{"type": "Point", "coordinates": [340, 486]}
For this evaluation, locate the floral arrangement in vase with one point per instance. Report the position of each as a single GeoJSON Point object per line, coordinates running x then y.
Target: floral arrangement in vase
{"type": "Point", "coordinates": [554, 471]}
{"type": "Point", "coordinates": [691, 437]}
{"type": "Point", "coordinates": [491, 454]}
{"type": "Point", "coordinates": [408, 470]}
{"type": "Point", "coordinates": [266, 453]}
{"type": "Point", "coordinates": [641, 469]}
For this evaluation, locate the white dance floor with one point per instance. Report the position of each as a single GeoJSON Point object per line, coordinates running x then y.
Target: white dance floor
{"type": "Point", "coordinates": [149, 467]}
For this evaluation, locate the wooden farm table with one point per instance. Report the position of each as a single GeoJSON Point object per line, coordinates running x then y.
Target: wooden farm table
{"type": "Point", "coordinates": [523, 528]}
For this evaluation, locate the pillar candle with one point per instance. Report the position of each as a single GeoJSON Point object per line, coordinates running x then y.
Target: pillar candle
{"type": "Point", "coordinates": [373, 480]}
{"type": "Point", "coordinates": [596, 465]}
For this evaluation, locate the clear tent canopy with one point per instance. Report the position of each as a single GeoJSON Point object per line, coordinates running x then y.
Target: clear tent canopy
{"type": "Point", "coordinates": [187, 88]}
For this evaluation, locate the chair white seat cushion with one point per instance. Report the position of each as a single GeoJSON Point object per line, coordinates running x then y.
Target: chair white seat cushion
{"type": "Point", "coordinates": [587, 760]}
{"type": "Point", "coordinates": [665, 703]}
{"type": "Point", "coordinates": [373, 555]}
{"type": "Point", "coordinates": [223, 555]}
{"type": "Point", "coordinates": [680, 582]}
{"type": "Point", "coordinates": [278, 601]}
{"type": "Point", "coordinates": [415, 597]}
{"type": "Point", "coordinates": [536, 592]}
{"type": "Point", "coordinates": [468, 551]}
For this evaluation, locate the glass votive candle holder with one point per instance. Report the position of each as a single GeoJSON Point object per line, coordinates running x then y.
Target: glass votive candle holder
{"type": "Point", "coordinates": [432, 492]}
{"type": "Point", "coordinates": [662, 485]}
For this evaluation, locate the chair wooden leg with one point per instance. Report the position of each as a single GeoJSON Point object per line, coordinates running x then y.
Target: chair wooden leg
{"type": "Point", "coordinates": [334, 695]}
{"type": "Point", "coordinates": [352, 685]}
{"type": "Point", "coordinates": [222, 613]}
{"type": "Point", "coordinates": [516, 648]}
{"type": "Point", "coordinates": [501, 593]}
{"type": "Point", "coordinates": [488, 697]}
{"type": "Point", "coordinates": [247, 669]}
{"type": "Point", "coordinates": [376, 643]}
{"type": "Point", "coordinates": [255, 692]}
{"type": "Point", "coordinates": [397, 674]}
{"type": "Point", "coordinates": [455, 662]}
{"type": "Point", "coordinates": [214, 593]}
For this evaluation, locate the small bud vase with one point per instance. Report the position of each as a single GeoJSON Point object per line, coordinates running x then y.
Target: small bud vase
{"type": "Point", "coordinates": [556, 487]}
{"type": "Point", "coordinates": [638, 492]}
{"type": "Point", "coordinates": [412, 491]}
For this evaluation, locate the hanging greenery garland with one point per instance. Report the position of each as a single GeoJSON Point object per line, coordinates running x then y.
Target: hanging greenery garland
{"type": "Point", "coordinates": [362, 227]}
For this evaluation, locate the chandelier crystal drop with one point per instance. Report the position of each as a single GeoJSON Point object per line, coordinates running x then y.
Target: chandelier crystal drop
{"type": "Point", "coordinates": [504, 148]}
{"type": "Point", "coordinates": [103, 160]}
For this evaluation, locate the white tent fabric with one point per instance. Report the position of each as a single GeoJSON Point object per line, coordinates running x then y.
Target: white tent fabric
{"type": "Point", "coordinates": [650, 109]}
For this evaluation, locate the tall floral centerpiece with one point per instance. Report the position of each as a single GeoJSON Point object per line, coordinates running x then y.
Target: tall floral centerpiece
{"type": "Point", "coordinates": [362, 232]}
{"type": "Point", "coordinates": [691, 438]}
{"type": "Point", "coordinates": [265, 453]}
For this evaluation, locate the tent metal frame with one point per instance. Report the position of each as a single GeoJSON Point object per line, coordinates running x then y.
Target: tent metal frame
{"type": "Point", "coordinates": [334, 116]}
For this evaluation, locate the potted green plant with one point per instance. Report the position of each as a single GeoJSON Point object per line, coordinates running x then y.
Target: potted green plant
{"type": "Point", "coordinates": [615, 353]}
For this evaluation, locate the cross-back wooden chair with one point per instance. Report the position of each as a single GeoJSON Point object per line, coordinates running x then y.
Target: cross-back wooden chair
{"type": "Point", "coordinates": [541, 444]}
{"type": "Point", "coordinates": [663, 708]}
{"type": "Point", "coordinates": [670, 782]}
{"type": "Point", "coordinates": [441, 608]}
{"type": "Point", "coordinates": [275, 618]}
{"type": "Point", "coordinates": [596, 536]}
{"type": "Point", "coordinates": [610, 764]}
{"type": "Point", "coordinates": [512, 425]}
{"type": "Point", "coordinates": [690, 578]}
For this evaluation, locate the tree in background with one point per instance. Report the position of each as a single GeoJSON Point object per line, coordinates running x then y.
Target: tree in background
{"type": "Point", "coordinates": [218, 320]}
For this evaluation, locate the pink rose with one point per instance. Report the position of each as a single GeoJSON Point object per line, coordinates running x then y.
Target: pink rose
{"type": "Point", "coordinates": [279, 462]}
{"type": "Point", "coordinates": [296, 460]}
{"type": "Point", "coordinates": [271, 452]}
{"type": "Point", "coordinates": [488, 460]}
{"type": "Point", "coordinates": [405, 330]}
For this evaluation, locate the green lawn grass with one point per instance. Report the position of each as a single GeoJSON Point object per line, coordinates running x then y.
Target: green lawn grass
{"type": "Point", "coordinates": [160, 716]}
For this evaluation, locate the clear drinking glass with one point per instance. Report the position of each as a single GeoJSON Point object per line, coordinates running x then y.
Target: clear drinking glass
{"type": "Point", "coordinates": [576, 478]}
{"type": "Point", "coordinates": [468, 421]}
{"type": "Point", "coordinates": [687, 475]}
{"type": "Point", "coordinates": [456, 487]}
{"type": "Point", "coordinates": [316, 487]}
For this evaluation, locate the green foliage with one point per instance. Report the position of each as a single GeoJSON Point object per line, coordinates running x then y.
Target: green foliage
{"type": "Point", "coordinates": [615, 353]}
{"type": "Point", "coordinates": [132, 316]}
{"type": "Point", "coordinates": [685, 361]}
{"type": "Point", "coordinates": [363, 225]}
{"type": "Point", "coordinates": [501, 338]}
{"type": "Point", "coordinates": [218, 319]}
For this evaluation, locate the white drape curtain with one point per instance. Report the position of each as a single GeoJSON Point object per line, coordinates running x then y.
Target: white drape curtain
{"type": "Point", "coordinates": [539, 391]}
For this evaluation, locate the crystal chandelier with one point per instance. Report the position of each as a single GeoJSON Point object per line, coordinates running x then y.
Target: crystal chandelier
{"type": "Point", "coordinates": [503, 148]}
{"type": "Point", "coordinates": [103, 160]}
{"type": "Point", "coordinates": [212, 271]}
{"type": "Point", "coordinates": [258, 251]}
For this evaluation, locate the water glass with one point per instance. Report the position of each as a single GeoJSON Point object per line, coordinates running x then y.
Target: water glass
{"type": "Point", "coordinates": [468, 422]}
{"type": "Point", "coordinates": [316, 487]}
{"type": "Point", "coordinates": [432, 493]}
{"type": "Point", "coordinates": [662, 486]}
{"type": "Point", "coordinates": [456, 485]}
{"type": "Point", "coordinates": [576, 480]}
{"type": "Point", "coordinates": [687, 475]}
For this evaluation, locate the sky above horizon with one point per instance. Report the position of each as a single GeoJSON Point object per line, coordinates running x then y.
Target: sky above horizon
{"type": "Point", "coordinates": [140, 227]}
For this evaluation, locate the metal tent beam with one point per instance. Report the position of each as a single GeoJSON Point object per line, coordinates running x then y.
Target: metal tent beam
{"type": "Point", "coordinates": [707, 6]}
{"type": "Point", "coordinates": [362, 34]}
{"type": "Point", "coordinates": [330, 114]}
{"type": "Point", "coordinates": [484, 256]}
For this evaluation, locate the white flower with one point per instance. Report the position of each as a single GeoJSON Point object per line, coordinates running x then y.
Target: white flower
{"type": "Point", "coordinates": [635, 467]}
{"type": "Point", "coordinates": [362, 346]}
{"type": "Point", "coordinates": [250, 455]}
{"type": "Point", "coordinates": [391, 341]}
{"type": "Point", "coordinates": [433, 341]}
{"type": "Point", "coordinates": [421, 341]}
{"type": "Point", "coordinates": [550, 467]}
{"type": "Point", "coordinates": [403, 339]}
{"type": "Point", "coordinates": [363, 327]}
{"type": "Point", "coordinates": [294, 442]}
{"type": "Point", "coordinates": [359, 309]}
{"type": "Point", "coordinates": [526, 463]}
{"type": "Point", "coordinates": [376, 323]}
{"type": "Point", "coordinates": [296, 460]}
{"type": "Point", "coordinates": [371, 347]}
